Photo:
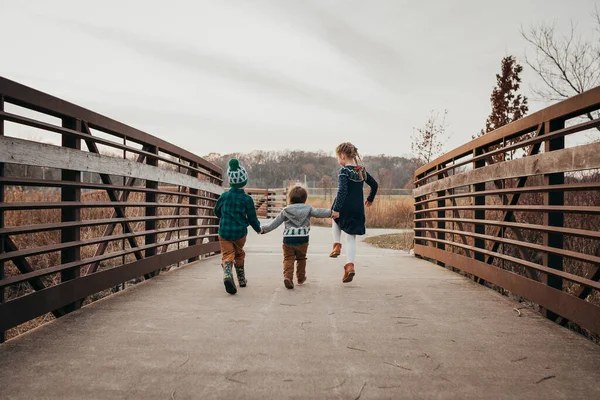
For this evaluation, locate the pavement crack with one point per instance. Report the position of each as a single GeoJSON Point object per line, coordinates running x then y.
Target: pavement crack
{"type": "Point", "coordinates": [336, 386]}
{"type": "Point", "coordinates": [289, 305]}
{"type": "Point", "coordinates": [546, 378]}
{"type": "Point", "coordinates": [405, 324]}
{"type": "Point", "coordinates": [389, 387]}
{"type": "Point", "coordinates": [519, 359]}
{"type": "Point", "coordinates": [405, 318]}
{"type": "Point", "coordinates": [302, 324]}
{"type": "Point", "coordinates": [230, 378]}
{"type": "Point", "coordinates": [362, 312]}
{"type": "Point", "coordinates": [361, 390]}
{"type": "Point", "coordinates": [354, 348]}
{"type": "Point", "coordinates": [395, 364]}
{"type": "Point", "coordinates": [185, 362]}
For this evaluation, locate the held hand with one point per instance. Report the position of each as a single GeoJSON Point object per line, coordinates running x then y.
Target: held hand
{"type": "Point", "coordinates": [335, 214]}
{"type": "Point", "coordinates": [368, 203]}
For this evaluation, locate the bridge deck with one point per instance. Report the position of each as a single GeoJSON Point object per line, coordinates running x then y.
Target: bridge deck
{"type": "Point", "coordinates": [404, 329]}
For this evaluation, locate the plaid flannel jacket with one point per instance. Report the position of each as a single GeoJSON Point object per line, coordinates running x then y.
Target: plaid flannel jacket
{"type": "Point", "coordinates": [236, 211]}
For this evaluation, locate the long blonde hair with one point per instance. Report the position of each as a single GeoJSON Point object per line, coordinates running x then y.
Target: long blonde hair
{"type": "Point", "coordinates": [351, 151]}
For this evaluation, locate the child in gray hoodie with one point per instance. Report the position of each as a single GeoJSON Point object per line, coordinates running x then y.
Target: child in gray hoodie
{"type": "Point", "coordinates": [295, 235]}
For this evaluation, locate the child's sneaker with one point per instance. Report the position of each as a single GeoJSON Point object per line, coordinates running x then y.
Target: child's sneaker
{"type": "Point", "coordinates": [337, 250]}
{"type": "Point", "coordinates": [241, 275]}
{"type": "Point", "coordinates": [228, 278]}
{"type": "Point", "coordinates": [301, 280]}
{"type": "Point", "coordinates": [288, 283]}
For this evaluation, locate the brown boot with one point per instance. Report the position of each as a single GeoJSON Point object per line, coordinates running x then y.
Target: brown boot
{"type": "Point", "coordinates": [288, 283]}
{"type": "Point", "coordinates": [337, 249]}
{"type": "Point", "coordinates": [348, 273]}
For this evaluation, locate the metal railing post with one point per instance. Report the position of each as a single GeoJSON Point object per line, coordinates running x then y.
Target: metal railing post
{"type": "Point", "coordinates": [2, 333]}
{"type": "Point", "coordinates": [554, 218]}
{"type": "Point", "coordinates": [151, 211]}
{"type": "Point", "coordinates": [70, 214]}
{"type": "Point", "coordinates": [193, 213]}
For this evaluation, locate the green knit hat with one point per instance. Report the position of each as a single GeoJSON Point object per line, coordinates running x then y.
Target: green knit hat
{"type": "Point", "coordinates": [238, 177]}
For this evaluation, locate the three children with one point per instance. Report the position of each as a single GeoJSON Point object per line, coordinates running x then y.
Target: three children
{"type": "Point", "coordinates": [236, 211]}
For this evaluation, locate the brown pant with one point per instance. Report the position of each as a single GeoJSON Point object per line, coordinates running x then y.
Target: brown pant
{"type": "Point", "coordinates": [291, 254]}
{"type": "Point", "coordinates": [233, 250]}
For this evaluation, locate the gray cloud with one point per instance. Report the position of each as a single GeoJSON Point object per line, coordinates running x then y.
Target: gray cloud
{"type": "Point", "coordinates": [185, 56]}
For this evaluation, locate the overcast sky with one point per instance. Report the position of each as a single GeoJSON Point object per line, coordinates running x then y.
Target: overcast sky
{"type": "Point", "coordinates": [235, 76]}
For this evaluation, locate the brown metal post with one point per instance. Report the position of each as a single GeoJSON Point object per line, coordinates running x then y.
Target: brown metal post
{"type": "Point", "coordinates": [554, 198]}
{"type": "Point", "coordinates": [267, 202]}
{"type": "Point", "coordinates": [215, 180]}
{"type": "Point", "coordinates": [193, 212]}
{"type": "Point", "coordinates": [2, 334]}
{"type": "Point", "coordinates": [151, 211]}
{"type": "Point", "coordinates": [441, 215]}
{"type": "Point", "coordinates": [418, 216]}
{"type": "Point", "coordinates": [71, 214]}
{"type": "Point", "coordinates": [479, 214]}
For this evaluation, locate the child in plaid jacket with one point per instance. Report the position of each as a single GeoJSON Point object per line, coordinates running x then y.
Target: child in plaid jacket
{"type": "Point", "coordinates": [235, 210]}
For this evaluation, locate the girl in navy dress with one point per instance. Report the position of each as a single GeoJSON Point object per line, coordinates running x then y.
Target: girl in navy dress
{"type": "Point", "coordinates": [350, 203]}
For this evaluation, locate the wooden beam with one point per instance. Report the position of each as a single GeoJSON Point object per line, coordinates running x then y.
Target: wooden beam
{"type": "Point", "coordinates": [566, 160]}
{"type": "Point", "coordinates": [19, 151]}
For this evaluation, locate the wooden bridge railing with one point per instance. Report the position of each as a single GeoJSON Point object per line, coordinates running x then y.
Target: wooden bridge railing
{"type": "Point", "coordinates": [104, 205]}
{"type": "Point", "coordinates": [268, 202]}
{"type": "Point", "coordinates": [520, 208]}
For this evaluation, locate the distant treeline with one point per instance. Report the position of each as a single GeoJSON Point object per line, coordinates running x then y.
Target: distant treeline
{"type": "Point", "coordinates": [271, 169]}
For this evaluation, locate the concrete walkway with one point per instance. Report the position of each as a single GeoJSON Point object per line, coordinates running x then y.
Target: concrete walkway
{"type": "Point", "coordinates": [404, 328]}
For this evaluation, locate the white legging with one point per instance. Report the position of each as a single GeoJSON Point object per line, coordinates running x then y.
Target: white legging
{"type": "Point", "coordinates": [350, 242]}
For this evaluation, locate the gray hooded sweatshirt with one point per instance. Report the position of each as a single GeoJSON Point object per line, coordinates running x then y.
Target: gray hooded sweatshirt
{"type": "Point", "coordinates": [297, 219]}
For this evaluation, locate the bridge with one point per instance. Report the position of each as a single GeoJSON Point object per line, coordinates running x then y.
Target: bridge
{"type": "Point", "coordinates": [501, 299]}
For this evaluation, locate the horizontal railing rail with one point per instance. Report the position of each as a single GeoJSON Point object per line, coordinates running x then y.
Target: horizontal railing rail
{"type": "Point", "coordinates": [268, 202]}
{"type": "Point", "coordinates": [117, 206]}
{"type": "Point", "coordinates": [518, 209]}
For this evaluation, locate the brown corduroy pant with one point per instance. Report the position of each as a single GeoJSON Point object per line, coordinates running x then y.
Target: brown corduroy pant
{"type": "Point", "coordinates": [297, 254]}
{"type": "Point", "coordinates": [233, 251]}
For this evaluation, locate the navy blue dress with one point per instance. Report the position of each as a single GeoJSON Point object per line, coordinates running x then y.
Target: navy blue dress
{"type": "Point", "coordinates": [349, 201]}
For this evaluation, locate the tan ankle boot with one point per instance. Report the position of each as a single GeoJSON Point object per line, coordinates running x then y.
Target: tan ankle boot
{"type": "Point", "coordinates": [348, 273]}
{"type": "Point", "coordinates": [337, 249]}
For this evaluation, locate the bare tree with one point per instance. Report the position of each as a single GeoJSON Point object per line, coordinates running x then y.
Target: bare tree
{"type": "Point", "coordinates": [428, 141]}
{"type": "Point", "coordinates": [567, 64]}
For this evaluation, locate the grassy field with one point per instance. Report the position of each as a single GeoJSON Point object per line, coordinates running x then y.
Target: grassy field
{"type": "Point", "coordinates": [394, 241]}
{"type": "Point", "coordinates": [386, 211]}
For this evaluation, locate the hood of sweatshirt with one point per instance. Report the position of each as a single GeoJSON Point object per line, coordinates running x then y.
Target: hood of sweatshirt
{"type": "Point", "coordinates": [298, 213]}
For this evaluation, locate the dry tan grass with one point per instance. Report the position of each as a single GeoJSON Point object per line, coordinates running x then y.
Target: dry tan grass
{"type": "Point", "coordinates": [386, 212]}
{"type": "Point", "coordinates": [395, 241]}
